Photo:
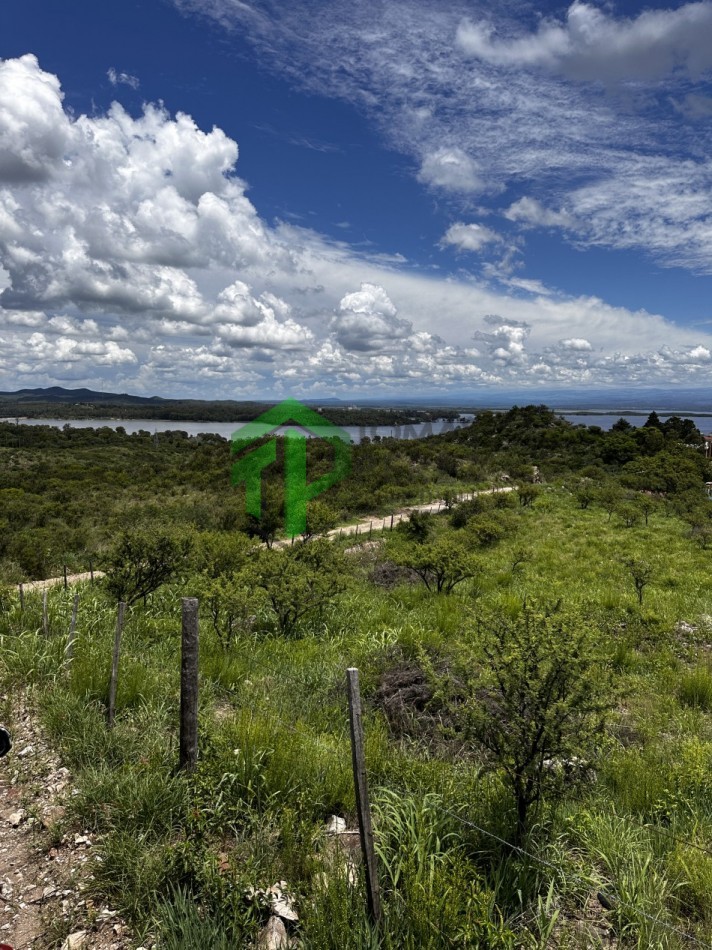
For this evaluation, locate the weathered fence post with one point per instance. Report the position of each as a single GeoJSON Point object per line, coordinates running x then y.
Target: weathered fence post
{"type": "Point", "coordinates": [113, 682]}
{"type": "Point", "coordinates": [22, 598]}
{"type": "Point", "coordinates": [363, 805]}
{"type": "Point", "coordinates": [64, 568]}
{"type": "Point", "coordinates": [391, 522]}
{"type": "Point", "coordinates": [45, 613]}
{"type": "Point", "coordinates": [69, 650]}
{"type": "Point", "coordinates": [189, 686]}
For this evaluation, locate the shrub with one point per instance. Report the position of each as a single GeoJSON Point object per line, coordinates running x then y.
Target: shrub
{"type": "Point", "coordinates": [695, 688]}
{"type": "Point", "coordinates": [537, 702]}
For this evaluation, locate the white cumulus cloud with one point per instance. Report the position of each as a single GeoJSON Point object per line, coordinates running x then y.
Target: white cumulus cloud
{"type": "Point", "coordinates": [469, 237]}
{"type": "Point", "coordinates": [130, 256]}
{"type": "Point", "coordinates": [592, 44]}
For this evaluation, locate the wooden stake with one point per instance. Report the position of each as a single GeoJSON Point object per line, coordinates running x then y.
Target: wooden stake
{"type": "Point", "coordinates": [113, 682]}
{"type": "Point", "coordinates": [45, 614]}
{"type": "Point", "coordinates": [363, 805]}
{"type": "Point", "coordinates": [189, 686]}
{"type": "Point", "coordinates": [65, 576]}
{"type": "Point", "coordinates": [391, 522]}
{"type": "Point", "coordinates": [22, 597]}
{"type": "Point", "coordinates": [69, 651]}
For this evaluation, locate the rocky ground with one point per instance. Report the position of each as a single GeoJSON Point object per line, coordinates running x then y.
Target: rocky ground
{"type": "Point", "coordinates": [45, 869]}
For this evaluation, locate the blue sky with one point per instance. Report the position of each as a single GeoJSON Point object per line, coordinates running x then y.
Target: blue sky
{"type": "Point", "coordinates": [225, 199]}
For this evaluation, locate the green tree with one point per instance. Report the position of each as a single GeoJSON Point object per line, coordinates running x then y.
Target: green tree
{"type": "Point", "coordinates": [585, 495]}
{"type": "Point", "coordinates": [321, 518]}
{"type": "Point", "coordinates": [609, 497]}
{"type": "Point", "coordinates": [418, 527]}
{"type": "Point", "coordinates": [298, 581]}
{"type": "Point", "coordinates": [231, 601]}
{"type": "Point", "coordinates": [641, 573]}
{"type": "Point", "coordinates": [653, 421]}
{"type": "Point", "coordinates": [537, 703]}
{"type": "Point", "coordinates": [219, 553]}
{"type": "Point", "coordinates": [266, 527]}
{"type": "Point", "coordinates": [223, 582]}
{"type": "Point", "coordinates": [143, 561]}
{"type": "Point", "coordinates": [629, 513]}
{"type": "Point", "coordinates": [441, 564]}
{"type": "Point", "coordinates": [647, 505]}
{"type": "Point", "coordinates": [528, 494]}
{"type": "Point", "coordinates": [485, 530]}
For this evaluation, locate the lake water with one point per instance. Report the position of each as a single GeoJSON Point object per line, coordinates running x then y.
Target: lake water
{"type": "Point", "coordinates": [357, 433]}
{"type": "Point", "coordinates": [226, 429]}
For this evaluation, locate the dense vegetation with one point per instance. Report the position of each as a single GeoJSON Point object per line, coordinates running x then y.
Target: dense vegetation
{"type": "Point", "coordinates": [537, 688]}
{"type": "Point", "coordinates": [58, 403]}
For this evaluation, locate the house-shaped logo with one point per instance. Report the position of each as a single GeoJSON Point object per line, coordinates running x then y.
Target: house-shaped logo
{"type": "Point", "coordinates": [297, 492]}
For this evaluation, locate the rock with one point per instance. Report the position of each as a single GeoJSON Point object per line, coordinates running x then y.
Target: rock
{"type": "Point", "coordinates": [335, 826]}
{"type": "Point", "coordinates": [52, 815]}
{"type": "Point", "coordinates": [273, 936]}
{"type": "Point", "coordinates": [685, 628]}
{"type": "Point", "coordinates": [281, 902]}
{"type": "Point", "coordinates": [75, 940]}
{"type": "Point", "coordinates": [16, 818]}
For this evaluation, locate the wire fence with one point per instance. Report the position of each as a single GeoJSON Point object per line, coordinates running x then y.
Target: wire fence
{"type": "Point", "coordinates": [607, 897]}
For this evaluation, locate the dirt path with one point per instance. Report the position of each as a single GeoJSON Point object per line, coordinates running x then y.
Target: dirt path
{"type": "Point", "coordinates": [378, 523]}
{"type": "Point", "coordinates": [44, 871]}
{"type": "Point", "coordinates": [54, 581]}
{"type": "Point", "coordinates": [381, 524]}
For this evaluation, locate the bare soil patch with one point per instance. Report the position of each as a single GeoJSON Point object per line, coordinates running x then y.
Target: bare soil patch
{"type": "Point", "coordinates": [45, 869]}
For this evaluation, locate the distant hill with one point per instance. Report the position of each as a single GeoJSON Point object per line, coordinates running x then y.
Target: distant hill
{"type": "Point", "coordinates": [77, 403]}
{"type": "Point", "coordinates": [55, 402]}
{"type": "Point", "coordinates": [57, 394]}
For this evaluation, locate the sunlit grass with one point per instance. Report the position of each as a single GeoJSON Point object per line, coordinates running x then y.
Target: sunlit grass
{"type": "Point", "coordinates": [275, 756]}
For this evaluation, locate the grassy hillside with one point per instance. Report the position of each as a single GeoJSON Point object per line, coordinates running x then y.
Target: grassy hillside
{"type": "Point", "coordinates": [542, 593]}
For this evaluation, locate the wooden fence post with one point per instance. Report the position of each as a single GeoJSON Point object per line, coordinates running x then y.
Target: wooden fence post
{"type": "Point", "coordinates": [69, 650]}
{"type": "Point", "coordinates": [45, 613]}
{"type": "Point", "coordinates": [189, 686]}
{"type": "Point", "coordinates": [363, 805]}
{"type": "Point", "coordinates": [113, 682]}
{"type": "Point", "coordinates": [64, 568]}
{"type": "Point", "coordinates": [391, 522]}
{"type": "Point", "coordinates": [22, 598]}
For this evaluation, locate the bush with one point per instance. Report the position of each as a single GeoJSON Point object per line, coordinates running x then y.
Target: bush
{"type": "Point", "coordinates": [537, 702]}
